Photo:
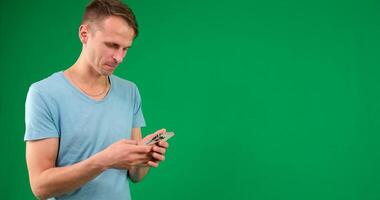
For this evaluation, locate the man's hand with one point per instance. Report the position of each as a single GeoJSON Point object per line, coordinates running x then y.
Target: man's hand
{"type": "Point", "coordinates": [158, 150]}
{"type": "Point", "coordinates": [158, 153]}
{"type": "Point", "coordinates": [125, 154]}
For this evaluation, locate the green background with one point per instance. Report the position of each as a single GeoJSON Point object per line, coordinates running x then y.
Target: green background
{"type": "Point", "coordinates": [268, 99]}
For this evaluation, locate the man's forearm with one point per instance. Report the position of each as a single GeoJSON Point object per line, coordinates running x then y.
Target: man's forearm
{"type": "Point", "coordinates": [136, 174]}
{"type": "Point", "coordinates": [59, 180]}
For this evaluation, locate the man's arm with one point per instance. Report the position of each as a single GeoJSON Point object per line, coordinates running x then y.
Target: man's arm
{"type": "Point", "coordinates": [47, 180]}
{"type": "Point", "coordinates": [137, 173]}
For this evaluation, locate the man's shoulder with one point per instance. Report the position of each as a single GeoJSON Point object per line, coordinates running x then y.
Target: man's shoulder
{"type": "Point", "coordinates": [50, 83]}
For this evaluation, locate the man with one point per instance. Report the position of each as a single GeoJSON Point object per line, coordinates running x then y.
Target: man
{"type": "Point", "coordinates": [83, 136]}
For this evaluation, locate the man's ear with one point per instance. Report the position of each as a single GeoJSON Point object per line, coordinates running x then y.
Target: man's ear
{"type": "Point", "coordinates": [83, 33]}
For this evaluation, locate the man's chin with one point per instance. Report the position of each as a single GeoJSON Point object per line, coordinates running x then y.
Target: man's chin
{"type": "Point", "coordinates": [107, 71]}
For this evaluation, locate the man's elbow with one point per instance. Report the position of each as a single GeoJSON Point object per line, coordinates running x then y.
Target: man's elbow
{"type": "Point", "coordinates": [39, 194]}
{"type": "Point", "coordinates": [39, 191]}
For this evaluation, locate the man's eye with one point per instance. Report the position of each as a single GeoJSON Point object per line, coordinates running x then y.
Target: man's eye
{"type": "Point", "coordinates": [111, 45]}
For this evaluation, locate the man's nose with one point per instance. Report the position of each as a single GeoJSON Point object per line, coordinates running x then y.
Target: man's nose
{"type": "Point", "coordinates": [118, 56]}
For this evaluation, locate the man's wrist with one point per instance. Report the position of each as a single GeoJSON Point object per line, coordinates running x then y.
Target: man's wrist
{"type": "Point", "coordinates": [101, 161]}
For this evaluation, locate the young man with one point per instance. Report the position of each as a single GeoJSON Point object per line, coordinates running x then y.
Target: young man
{"type": "Point", "coordinates": [83, 137]}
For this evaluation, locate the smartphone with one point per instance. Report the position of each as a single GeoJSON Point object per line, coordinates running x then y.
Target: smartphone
{"type": "Point", "coordinates": [160, 137]}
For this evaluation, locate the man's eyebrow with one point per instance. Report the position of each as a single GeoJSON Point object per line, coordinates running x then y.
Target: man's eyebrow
{"type": "Point", "coordinates": [114, 43]}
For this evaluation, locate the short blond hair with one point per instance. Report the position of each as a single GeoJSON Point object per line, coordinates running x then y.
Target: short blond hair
{"type": "Point", "coordinates": [97, 10]}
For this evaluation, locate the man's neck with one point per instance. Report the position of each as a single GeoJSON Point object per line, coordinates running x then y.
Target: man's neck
{"type": "Point", "coordinates": [84, 74]}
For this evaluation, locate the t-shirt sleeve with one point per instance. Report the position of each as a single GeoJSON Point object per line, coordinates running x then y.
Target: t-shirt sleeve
{"type": "Point", "coordinates": [39, 121]}
{"type": "Point", "coordinates": [138, 117]}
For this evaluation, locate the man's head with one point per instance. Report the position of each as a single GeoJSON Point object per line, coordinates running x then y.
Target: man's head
{"type": "Point", "coordinates": [107, 31]}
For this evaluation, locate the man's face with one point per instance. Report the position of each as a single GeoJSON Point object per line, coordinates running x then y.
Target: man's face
{"type": "Point", "coordinates": [108, 44]}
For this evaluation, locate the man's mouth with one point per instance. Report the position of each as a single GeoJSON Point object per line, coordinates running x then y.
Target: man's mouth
{"type": "Point", "coordinates": [111, 66]}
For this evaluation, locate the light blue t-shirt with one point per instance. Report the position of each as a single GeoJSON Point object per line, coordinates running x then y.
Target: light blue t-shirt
{"type": "Point", "coordinates": [56, 109]}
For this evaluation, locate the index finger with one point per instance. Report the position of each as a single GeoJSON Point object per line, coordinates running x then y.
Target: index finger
{"type": "Point", "coordinates": [130, 141]}
{"type": "Point", "coordinates": [163, 144]}
{"type": "Point", "coordinates": [141, 149]}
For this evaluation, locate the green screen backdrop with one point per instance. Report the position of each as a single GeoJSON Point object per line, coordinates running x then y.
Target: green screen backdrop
{"type": "Point", "coordinates": [269, 100]}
